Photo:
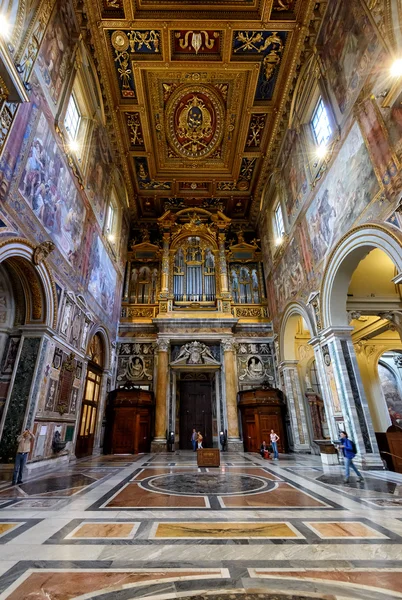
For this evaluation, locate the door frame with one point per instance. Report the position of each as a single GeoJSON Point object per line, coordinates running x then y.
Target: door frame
{"type": "Point", "coordinates": [217, 381]}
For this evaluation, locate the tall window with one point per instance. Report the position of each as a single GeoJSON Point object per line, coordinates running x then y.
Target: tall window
{"type": "Point", "coordinates": [278, 216]}
{"type": "Point", "coordinates": [72, 118]}
{"type": "Point", "coordinates": [110, 219]}
{"type": "Point", "coordinates": [320, 123]}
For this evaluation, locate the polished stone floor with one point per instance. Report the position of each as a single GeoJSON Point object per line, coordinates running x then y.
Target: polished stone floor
{"type": "Point", "coordinates": [156, 526]}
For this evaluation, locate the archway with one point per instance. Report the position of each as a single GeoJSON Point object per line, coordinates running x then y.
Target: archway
{"type": "Point", "coordinates": [361, 309]}
{"type": "Point", "coordinates": [27, 308]}
{"type": "Point", "coordinates": [307, 419]}
{"type": "Point", "coordinates": [91, 401]}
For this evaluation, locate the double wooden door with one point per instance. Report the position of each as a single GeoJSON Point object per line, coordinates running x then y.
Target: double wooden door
{"type": "Point", "coordinates": [195, 412]}
{"type": "Point", "coordinates": [89, 412]}
{"type": "Point", "coordinates": [131, 430]}
{"type": "Point", "coordinates": [257, 426]}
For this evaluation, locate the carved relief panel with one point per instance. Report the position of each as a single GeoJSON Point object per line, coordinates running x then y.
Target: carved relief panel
{"type": "Point", "coordinates": [135, 363]}
{"type": "Point", "coordinates": [255, 364]}
{"type": "Point", "coordinates": [65, 380]}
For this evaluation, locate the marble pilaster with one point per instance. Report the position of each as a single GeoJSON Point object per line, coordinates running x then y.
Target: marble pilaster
{"type": "Point", "coordinates": [352, 398]}
{"type": "Point", "coordinates": [325, 388]}
{"type": "Point", "coordinates": [159, 442]}
{"type": "Point", "coordinates": [296, 405]}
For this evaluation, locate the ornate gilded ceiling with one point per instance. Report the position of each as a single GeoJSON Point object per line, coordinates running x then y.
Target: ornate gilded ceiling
{"type": "Point", "coordinates": [199, 90]}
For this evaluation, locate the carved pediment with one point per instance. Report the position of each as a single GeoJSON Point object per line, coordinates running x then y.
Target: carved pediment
{"type": "Point", "coordinates": [195, 355]}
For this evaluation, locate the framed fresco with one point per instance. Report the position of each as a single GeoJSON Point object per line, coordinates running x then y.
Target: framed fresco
{"type": "Point", "coordinates": [348, 45]}
{"type": "Point", "coordinates": [349, 187]}
{"type": "Point", "coordinates": [102, 276]}
{"type": "Point", "coordinates": [47, 186]}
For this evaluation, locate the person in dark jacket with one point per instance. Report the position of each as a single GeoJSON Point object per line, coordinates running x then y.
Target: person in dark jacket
{"type": "Point", "coordinates": [347, 449]}
{"type": "Point", "coordinates": [264, 450]}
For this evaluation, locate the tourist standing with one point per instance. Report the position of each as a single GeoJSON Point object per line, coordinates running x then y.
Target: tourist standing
{"type": "Point", "coordinates": [194, 436]}
{"type": "Point", "coordinates": [24, 448]}
{"type": "Point", "coordinates": [199, 440]}
{"type": "Point", "coordinates": [349, 452]}
{"type": "Point", "coordinates": [274, 443]}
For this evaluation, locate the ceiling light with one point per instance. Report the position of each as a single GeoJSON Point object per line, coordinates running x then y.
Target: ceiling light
{"type": "Point", "coordinates": [396, 68]}
{"type": "Point", "coordinates": [278, 241]}
{"type": "Point", "coordinates": [73, 146]}
{"type": "Point", "coordinates": [321, 151]}
{"type": "Point", "coordinates": [4, 26]}
{"type": "Point", "coordinates": [110, 237]}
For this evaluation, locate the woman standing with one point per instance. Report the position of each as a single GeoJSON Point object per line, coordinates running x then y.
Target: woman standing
{"type": "Point", "coordinates": [274, 443]}
{"type": "Point", "coordinates": [199, 440]}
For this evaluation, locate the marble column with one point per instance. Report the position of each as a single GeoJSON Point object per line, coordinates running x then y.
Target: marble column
{"type": "Point", "coordinates": [229, 358]}
{"type": "Point", "coordinates": [159, 442]}
{"type": "Point", "coordinates": [339, 354]}
{"type": "Point", "coordinates": [327, 386]}
{"type": "Point", "coordinates": [296, 405]}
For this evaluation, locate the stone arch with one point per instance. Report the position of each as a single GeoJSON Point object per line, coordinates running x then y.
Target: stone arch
{"type": "Point", "coordinates": [287, 331]}
{"type": "Point", "coordinates": [35, 282]}
{"type": "Point", "coordinates": [103, 334]}
{"type": "Point", "coordinates": [343, 261]}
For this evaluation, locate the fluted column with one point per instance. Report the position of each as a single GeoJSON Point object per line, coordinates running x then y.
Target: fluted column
{"type": "Point", "coordinates": [229, 358]}
{"type": "Point", "coordinates": [162, 382]}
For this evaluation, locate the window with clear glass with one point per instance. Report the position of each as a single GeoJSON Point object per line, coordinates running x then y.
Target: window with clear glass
{"type": "Point", "coordinates": [110, 218]}
{"type": "Point", "coordinates": [320, 124]}
{"type": "Point", "coordinates": [279, 225]}
{"type": "Point", "coordinates": [72, 118]}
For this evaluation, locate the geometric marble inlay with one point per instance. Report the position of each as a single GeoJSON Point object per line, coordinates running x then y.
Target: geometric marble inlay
{"type": "Point", "coordinates": [6, 527]}
{"type": "Point", "coordinates": [216, 484]}
{"type": "Point", "coordinates": [104, 530]}
{"type": "Point", "coordinates": [225, 530]}
{"type": "Point", "coordinates": [337, 530]}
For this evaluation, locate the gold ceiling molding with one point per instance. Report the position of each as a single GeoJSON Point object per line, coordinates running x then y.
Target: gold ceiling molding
{"type": "Point", "coordinates": [204, 145]}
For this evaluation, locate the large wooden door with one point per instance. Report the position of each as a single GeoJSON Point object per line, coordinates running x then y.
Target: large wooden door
{"type": "Point", "coordinates": [124, 431]}
{"type": "Point", "coordinates": [195, 411]}
{"type": "Point", "coordinates": [250, 435]}
{"type": "Point", "coordinates": [268, 422]}
{"type": "Point", "coordinates": [144, 432]}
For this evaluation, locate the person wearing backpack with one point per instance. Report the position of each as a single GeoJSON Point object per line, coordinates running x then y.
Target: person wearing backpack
{"type": "Point", "coordinates": [349, 452]}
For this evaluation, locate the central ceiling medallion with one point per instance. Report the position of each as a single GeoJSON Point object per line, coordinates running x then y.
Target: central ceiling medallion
{"type": "Point", "coordinates": [195, 121]}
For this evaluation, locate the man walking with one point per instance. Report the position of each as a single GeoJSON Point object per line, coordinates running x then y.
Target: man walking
{"type": "Point", "coordinates": [349, 453]}
{"type": "Point", "coordinates": [274, 443]}
{"type": "Point", "coordinates": [24, 447]}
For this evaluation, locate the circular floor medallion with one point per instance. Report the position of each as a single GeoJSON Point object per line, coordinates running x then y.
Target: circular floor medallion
{"type": "Point", "coordinates": [209, 484]}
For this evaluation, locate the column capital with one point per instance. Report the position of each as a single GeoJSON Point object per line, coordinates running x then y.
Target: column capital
{"type": "Point", "coordinates": [163, 345]}
{"type": "Point", "coordinates": [228, 345]}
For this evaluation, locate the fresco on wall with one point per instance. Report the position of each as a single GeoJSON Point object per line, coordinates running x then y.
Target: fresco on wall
{"type": "Point", "coordinates": [47, 186]}
{"type": "Point", "coordinates": [290, 275]}
{"type": "Point", "coordinates": [99, 171]}
{"type": "Point", "coordinates": [294, 174]}
{"type": "Point", "coordinates": [55, 56]}
{"type": "Point", "coordinates": [349, 46]}
{"type": "Point", "coordinates": [348, 188]}
{"type": "Point", "coordinates": [102, 278]}
{"type": "Point", "coordinates": [19, 15]}
{"type": "Point", "coordinates": [391, 392]}
{"type": "Point", "coordinates": [377, 141]}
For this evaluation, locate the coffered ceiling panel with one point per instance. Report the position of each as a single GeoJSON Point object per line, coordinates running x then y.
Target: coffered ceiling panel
{"type": "Point", "coordinates": [198, 91]}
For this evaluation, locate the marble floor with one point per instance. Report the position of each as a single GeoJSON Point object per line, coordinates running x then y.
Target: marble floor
{"type": "Point", "coordinates": [156, 526]}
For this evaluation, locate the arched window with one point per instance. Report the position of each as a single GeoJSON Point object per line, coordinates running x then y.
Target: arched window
{"type": "Point", "coordinates": [194, 272]}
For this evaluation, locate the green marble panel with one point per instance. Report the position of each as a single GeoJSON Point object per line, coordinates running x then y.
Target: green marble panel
{"type": "Point", "coordinates": [19, 399]}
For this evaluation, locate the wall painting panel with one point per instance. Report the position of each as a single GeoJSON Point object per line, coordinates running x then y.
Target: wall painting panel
{"type": "Point", "coordinates": [348, 188]}
{"type": "Point", "coordinates": [349, 45]}
{"type": "Point", "coordinates": [102, 276]}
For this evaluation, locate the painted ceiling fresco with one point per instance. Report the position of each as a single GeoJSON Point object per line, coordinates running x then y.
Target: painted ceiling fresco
{"type": "Point", "coordinates": [199, 89]}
